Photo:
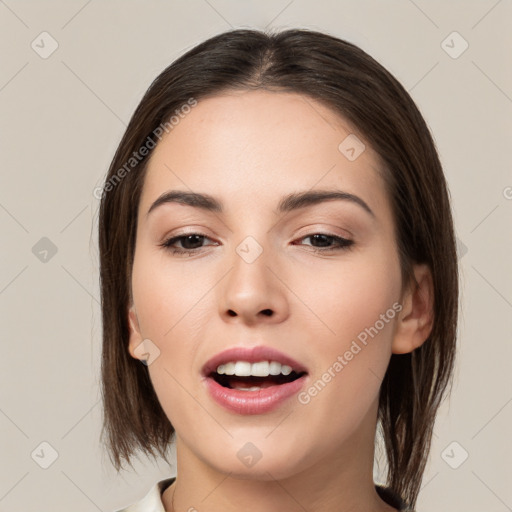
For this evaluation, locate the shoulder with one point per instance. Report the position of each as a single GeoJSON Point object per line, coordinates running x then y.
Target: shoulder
{"type": "Point", "coordinates": [152, 501]}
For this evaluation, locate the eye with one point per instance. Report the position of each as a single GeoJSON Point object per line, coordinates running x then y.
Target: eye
{"type": "Point", "coordinates": [325, 239]}
{"type": "Point", "coordinates": [190, 242]}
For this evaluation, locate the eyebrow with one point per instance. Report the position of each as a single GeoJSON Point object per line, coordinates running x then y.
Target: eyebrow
{"type": "Point", "coordinates": [294, 201]}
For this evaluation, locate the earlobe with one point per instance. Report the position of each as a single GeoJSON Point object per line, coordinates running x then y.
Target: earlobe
{"type": "Point", "coordinates": [415, 321]}
{"type": "Point", "coordinates": [135, 334]}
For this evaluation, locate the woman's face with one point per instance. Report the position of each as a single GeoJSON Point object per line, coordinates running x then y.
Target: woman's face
{"type": "Point", "coordinates": [258, 276]}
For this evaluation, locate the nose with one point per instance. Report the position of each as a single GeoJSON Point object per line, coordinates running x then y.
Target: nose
{"type": "Point", "coordinates": [254, 291]}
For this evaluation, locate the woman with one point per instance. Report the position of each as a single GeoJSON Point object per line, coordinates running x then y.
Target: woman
{"type": "Point", "coordinates": [279, 279]}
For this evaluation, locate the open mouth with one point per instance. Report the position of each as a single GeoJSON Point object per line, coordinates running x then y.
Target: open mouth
{"type": "Point", "coordinates": [253, 383]}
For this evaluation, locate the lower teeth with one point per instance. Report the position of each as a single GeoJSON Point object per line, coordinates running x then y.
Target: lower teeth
{"type": "Point", "coordinates": [253, 388]}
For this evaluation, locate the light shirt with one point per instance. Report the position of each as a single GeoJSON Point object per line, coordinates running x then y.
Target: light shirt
{"type": "Point", "coordinates": [152, 501]}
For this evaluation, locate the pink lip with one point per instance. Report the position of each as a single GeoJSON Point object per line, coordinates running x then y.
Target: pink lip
{"type": "Point", "coordinates": [252, 402]}
{"type": "Point", "coordinates": [251, 355]}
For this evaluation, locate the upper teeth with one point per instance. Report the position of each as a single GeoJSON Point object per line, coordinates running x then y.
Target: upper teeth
{"type": "Point", "coordinates": [259, 369]}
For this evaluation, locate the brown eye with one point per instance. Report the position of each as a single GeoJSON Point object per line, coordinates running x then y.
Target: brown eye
{"type": "Point", "coordinates": [325, 242]}
{"type": "Point", "coordinates": [190, 243]}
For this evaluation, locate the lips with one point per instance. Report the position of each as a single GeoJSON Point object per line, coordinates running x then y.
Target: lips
{"type": "Point", "coordinates": [237, 394]}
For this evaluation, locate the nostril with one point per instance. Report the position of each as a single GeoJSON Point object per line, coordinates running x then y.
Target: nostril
{"type": "Point", "coordinates": [267, 312]}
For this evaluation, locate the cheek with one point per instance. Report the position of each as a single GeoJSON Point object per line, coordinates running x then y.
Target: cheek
{"type": "Point", "coordinates": [167, 297]}
{"type": "Point", "coordinates": [357, 305]}
{"type": "Point", "coordinates": [351, 361]}
{"type": "Point", "coordinates": [173, 309]}
{"type": "Point", "coordinates": [349, 296]}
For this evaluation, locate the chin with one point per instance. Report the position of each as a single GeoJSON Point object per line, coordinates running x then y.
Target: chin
{"type": "Point", "coordinates": [266, 463]}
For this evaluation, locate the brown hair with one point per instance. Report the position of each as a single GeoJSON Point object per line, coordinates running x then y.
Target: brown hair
{"type": "Point", "coordinates": [352, 84]}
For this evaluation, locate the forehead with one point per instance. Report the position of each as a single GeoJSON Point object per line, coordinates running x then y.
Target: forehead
{"type": "Point", "coordinates": [250, 148]}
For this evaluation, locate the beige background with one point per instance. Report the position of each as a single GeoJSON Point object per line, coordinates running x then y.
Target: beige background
{"type": "Point", "coordinates": [62, 118]}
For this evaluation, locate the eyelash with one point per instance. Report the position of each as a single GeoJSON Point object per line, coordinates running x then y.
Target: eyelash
{"type": "Point", "coordinates": [342, 243]}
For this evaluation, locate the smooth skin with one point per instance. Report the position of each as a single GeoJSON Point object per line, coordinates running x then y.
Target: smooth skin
{"type": "Point", "coordinates": [249, 150]}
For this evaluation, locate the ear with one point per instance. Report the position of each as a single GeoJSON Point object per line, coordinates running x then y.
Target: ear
{"type": "Point", "coordinates": [135, 334]}
{"type": "Point", "coordinates": [415, 321]}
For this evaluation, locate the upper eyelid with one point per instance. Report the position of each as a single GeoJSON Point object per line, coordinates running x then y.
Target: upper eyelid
{"type": "Point", "coordinates": [310, 230]}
